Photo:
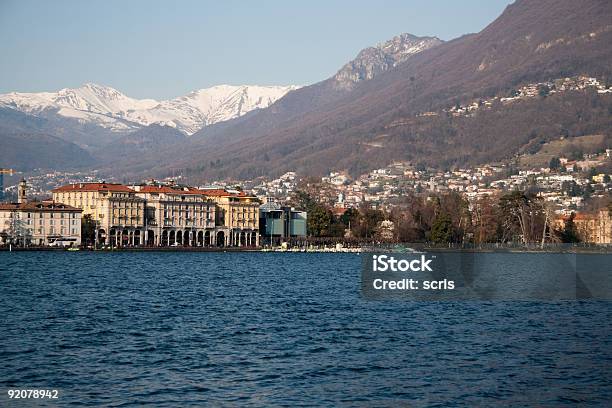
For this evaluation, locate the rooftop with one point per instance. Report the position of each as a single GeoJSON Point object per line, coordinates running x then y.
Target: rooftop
{"type": "Point", "coordinates": [38, 206]}
{"type": "Point", "coordinates": [113, 187]}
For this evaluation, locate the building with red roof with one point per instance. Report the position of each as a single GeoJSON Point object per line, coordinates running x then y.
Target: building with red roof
{"type": "Point", "coordinates": [39, 222]}
{"type": "Point", "coordinates": [157, 214]}
{"type": "Point", "coordinates": [115, 209]}
{"type": "Point", "coordinates": [178, 215]}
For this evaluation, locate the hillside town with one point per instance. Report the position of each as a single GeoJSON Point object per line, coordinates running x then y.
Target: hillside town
{"type": "Point", "coordinates": [262, 212]}
{"type": "Point", "coordinates": [567, 188]}
{"type": "Point", "coordinates": [533, 90]}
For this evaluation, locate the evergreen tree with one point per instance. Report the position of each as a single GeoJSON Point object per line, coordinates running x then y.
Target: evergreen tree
{"type": "Point", "coordinates": [555, 163]}
{"type": "Point", "coordinates": [442, 229]}
{"type": "Point", "coordinates": [319, 221]}
{"type": "Point", "coordinates": [88, 230]}
{"type": "Point", "coordinates": [569, 234]}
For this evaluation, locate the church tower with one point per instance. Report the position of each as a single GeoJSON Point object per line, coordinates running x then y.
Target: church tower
{"type": "Point", "coordinates": [22, 197]}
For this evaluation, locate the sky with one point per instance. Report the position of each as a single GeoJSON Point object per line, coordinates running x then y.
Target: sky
{"type": "Point", "coordinates": [164, 49]}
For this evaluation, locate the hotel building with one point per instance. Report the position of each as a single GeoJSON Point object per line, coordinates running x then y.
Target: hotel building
{"type": "Point", "coordinates": [116, 210]}
{"type": "Point", "coordinates": [237, 217]}
{"type": "Point", "coordinates": [595, 228]}
{"type": "Point", "coordinates": [39, 222]}
{"type": "Point", "coordinates": [165, 215]}
{"type": "Point", "coordinates": [178, 216]}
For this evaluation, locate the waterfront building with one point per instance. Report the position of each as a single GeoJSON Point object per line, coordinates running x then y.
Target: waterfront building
{"type": "Point", "coordinates": [158, 214]}
{"type": "Point", "coordinates": [237, 217]}
{"type": "Point", "coordinates": [39, 222]}
{"type": "Point", "coordinates": [116, 210]}
{"type": "Point", "coordinates": [595, 228]}
{"type": "Point", "coordinates": [279, 223]}
{"type": "Point", "coordinates": [605, 226]}
{"type": "Point", "coordinates": [178, 216]}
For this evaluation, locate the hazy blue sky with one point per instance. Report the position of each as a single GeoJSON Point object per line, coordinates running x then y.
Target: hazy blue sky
{"type": "Point", "coordinates": [165, 49]}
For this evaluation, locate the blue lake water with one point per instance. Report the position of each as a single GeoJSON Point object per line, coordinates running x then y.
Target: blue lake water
{"type": "Point", "coordinates": [269, 329]}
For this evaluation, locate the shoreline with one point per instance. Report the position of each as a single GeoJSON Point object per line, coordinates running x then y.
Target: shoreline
{"type": "Point", "coordinates": [570, 250]}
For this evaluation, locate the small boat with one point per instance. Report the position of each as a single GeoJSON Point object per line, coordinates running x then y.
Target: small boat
{"type": "Point", "coordinates": [73, 249]}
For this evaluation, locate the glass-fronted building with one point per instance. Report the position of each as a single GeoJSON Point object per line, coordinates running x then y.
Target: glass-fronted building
{"type": "Point", "coordinates": [277, 223]}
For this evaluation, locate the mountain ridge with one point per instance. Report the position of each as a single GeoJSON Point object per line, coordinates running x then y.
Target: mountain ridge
{"type": "Point", "coordinates": [110, 109]}
{"type": "Point", "coordinates": [372, 61]}
{"type": "Point", "coordinates": [514, 49]}
{"type": "Point", "coordinates": [24, 145]}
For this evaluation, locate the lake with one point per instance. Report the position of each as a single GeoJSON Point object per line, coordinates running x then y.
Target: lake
{"type": "Point", "coordinates": [268, 329]}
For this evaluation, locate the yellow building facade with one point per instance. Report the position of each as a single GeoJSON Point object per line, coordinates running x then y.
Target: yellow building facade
{"type": "Point", "coordinates": [237, 215]}
{"type": "Point", "coordinates": [165, 215]}
{"type": "Point", "coordinates": [595, 228]}
{"type": "Point", "coordinates": [177, 216]}
{"type": "Point", "coordinates": [118, 213]}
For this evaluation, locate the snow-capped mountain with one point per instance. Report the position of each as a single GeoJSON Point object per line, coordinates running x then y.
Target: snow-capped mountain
{"type": "Point", "coordinates": [204, 107]}
{"type": "Point", "coordinates": [108, 108]}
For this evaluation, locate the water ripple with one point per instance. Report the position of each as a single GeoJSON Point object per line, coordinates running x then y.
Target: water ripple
{"type": "Point", "coordinates": [256, 329]}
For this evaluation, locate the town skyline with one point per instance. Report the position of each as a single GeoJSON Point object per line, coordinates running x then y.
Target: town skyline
{"type": "Point", "coordinates": [571, 185]}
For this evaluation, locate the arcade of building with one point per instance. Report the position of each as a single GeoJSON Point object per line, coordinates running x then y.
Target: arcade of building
{"type": "Point", "coordinates": [165, 215]}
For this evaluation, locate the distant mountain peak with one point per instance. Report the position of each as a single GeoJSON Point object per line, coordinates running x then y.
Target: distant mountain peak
{"type": "Point", "coordinates": [373, 61]}
{"type": "Point", "coordinates": [111, 109]}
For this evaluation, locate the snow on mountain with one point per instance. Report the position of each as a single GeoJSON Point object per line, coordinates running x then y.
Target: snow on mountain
{"type": "Point", "coordinates": [373, 61]}
{"type": "Point", "coordinates": [110, 109]}
{"type": "Point", "coordinates": [204, 107]}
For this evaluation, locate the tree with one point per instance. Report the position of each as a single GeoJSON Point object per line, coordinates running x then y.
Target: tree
{"type": "Point", "coordinates": [367, 222]}
{"type": "Point", "coordinates": [442, 229]}
{"type": "Point", "coordinates": [408, 231]}
{"type": "Point", "coordinates": [515, 210]}
{"type": "Point", "coordinates": [303, 201]}
{"type": "Point", "coordinates": [555, 163]}
{"type": "Point", "coordinates": [351, 215]}
{"type": "Point", "coordinates": [88, 230]}
{"type": "Point", "coordinates": [569, 234]}
{"type": "Point", "coordinates": [319, 221]}
{"type": "Point", "coordinates": [486, 221]}
{"type": "Point", "coordinates": [320, 218]}
{"type": "Point", "coordinates": [543, 90]}
{"type": "Point", "coordinates": [457, 208]}
{"type": "Point", "coordinates": [572, 189]}
{"type": "Point", "coordinates": [18, 232]}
